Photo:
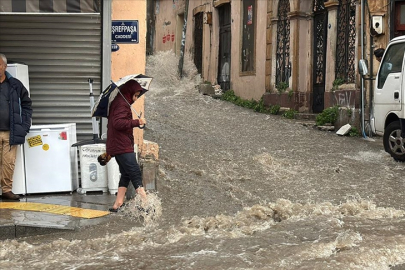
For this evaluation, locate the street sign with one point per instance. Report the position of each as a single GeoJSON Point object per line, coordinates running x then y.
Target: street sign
{"type": "Point", "coordinates": [124, 32]}
{"type": "Point", "coordinates": [114, 47]}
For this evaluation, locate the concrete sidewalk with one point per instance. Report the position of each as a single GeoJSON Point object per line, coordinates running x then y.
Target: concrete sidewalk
{"type": "Point", "coordinates": [15, 223]}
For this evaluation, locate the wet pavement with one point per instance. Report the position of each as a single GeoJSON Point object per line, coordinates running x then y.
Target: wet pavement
{"type": "Point", "coordinates": [239, 190]}
{"type": "Point", "coordinates": [16, 223]}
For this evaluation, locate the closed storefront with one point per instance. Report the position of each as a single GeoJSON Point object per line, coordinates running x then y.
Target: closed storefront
{"type": "Point", "coordinates": [61, 42]}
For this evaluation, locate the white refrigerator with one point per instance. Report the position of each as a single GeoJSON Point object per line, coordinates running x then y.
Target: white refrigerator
{"type": "Point", "coordinates": [19, 71]}
{"type": "Point", "coordinates": [50, 161]}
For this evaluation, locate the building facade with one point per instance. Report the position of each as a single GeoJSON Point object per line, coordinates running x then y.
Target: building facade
{"type": "Point", "coordinates": [300, 54]}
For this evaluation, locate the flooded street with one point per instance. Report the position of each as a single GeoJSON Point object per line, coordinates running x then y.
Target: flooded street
{"type": "Point", "coordinates": [244, 190]}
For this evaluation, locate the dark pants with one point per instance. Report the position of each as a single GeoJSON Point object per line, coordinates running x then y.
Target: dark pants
{"type": "Point", "coordinates": [129, 170]}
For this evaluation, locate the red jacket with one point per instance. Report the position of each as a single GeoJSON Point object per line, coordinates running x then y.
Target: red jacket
{"type": "Point", "coordinates": [120, 138]}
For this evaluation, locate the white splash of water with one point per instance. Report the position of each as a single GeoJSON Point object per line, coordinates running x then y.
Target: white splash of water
{"type": "Point", "coordinates": [262, 217]}
{"type": "Point", "coordinates": [347, 245]}
{"type": "Point", "coordinates": [148, 211]}
{"type": "Point", "coordinates": [369, 156]}
{"type": "Point", "coordinates": [163, 67]}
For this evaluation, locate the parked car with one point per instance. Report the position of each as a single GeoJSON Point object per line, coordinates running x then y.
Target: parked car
{"type": "Point", "coordinates": [389, 98]}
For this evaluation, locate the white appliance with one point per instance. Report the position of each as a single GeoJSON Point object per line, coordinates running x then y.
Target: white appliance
{"type": "Point", "coordinates": [50, 161]}
{"type": "Point", "coordinates": [93, 175]}
{"type": "Point", "coordinates": [19, 71]}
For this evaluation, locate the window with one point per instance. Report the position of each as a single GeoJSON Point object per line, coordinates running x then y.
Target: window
{"type": "Point", "coordinates": [283, 64]}
{"type": "Point", "coordinates": [346, 41]}
{"type": "Point", "coordinates": [392, 63]}
{"type": "Point", "coordinates": [399, 28]}
{"type": "Point", "coordinates": [248, 36]}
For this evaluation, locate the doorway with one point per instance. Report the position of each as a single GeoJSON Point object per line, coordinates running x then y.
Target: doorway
{"type": "Point", "coordinates": [198, 41]}
{"type": "Point", "coordinates": [224, 59]}
{"type": "Point", "coordinates": [319, 53]}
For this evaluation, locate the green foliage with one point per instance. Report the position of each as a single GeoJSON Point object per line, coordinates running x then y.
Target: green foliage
{"type": "Point", "coordinates": [281, 87]}
{"type": "Point", "coordinates": [329, 115]}
{"type": "Point", "coordinates": [354, 132]}
{"type": "Point", "coordinates": [290, 114]}
{"type": "Point", "coordinates": [290, 94]}
{"type": "Point", "coordinates": [257, 106]}
{"type": "Point", "coordinates": [275, 109]}
{"type": "Point", "coordinates": [337, 82]}
{"type": "Point", "coordinates": [229, 96]}
{"type": "Point", "coordinates": [349, 112]}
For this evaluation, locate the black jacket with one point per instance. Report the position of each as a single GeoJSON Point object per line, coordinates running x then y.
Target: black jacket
{"type": "Point", "coordinates": [20, 111]}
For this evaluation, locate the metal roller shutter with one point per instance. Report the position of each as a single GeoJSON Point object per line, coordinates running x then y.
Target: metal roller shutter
{"type": "Point", "coordinates": [62, 52]}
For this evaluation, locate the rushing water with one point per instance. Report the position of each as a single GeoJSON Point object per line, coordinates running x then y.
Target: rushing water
{"type": "Point", "coordinates": [242, 190]}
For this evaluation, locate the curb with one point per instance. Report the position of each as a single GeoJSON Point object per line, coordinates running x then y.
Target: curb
{"type": "Point", "coordinates": [9, 230]}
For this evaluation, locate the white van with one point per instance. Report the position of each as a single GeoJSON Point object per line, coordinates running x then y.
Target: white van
{"type": "Point", "coordinates": [388, 99]}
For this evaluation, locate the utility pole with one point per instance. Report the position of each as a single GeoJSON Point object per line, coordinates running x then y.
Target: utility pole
{"type": "Point", "coordinates": [183, 41]}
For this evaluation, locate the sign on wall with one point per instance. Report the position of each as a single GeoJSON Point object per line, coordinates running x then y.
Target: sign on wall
{"type": "Point", "coordinates": [124, 32]}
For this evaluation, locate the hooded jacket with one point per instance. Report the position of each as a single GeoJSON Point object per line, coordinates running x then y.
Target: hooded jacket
{"type": "Point", "coordinates": [20, 111]}
{"type": "Point", "coordinates": [120, 138]}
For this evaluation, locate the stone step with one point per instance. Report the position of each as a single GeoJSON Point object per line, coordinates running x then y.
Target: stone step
{"type": "Point", "coordinates": [309, 123]}
{"type": "Point", "coordinates": [306, 116]}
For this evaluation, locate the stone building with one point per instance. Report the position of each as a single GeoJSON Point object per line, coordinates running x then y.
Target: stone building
{"type": "Point", "coordinates": [300, 54]}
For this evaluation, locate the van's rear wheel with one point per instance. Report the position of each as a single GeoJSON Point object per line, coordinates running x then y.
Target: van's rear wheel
{"type": "Point", "coordinates": [394, 144]}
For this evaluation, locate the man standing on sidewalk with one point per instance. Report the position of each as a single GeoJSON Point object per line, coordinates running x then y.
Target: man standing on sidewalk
{"type": "Point", "coordinates": [15, 123]}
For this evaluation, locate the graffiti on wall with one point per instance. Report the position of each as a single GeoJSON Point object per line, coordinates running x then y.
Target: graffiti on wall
{"type": "Point", "coordinates": [345, 98]}
{"type": "Point", "coordinates": [168, 38]}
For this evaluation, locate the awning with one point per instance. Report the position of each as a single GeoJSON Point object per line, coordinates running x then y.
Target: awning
{"type": "Point", "coordinates": [50, 6]}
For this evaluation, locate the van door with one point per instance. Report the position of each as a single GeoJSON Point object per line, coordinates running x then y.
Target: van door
{"type": "Point", "coordinates": [388, 97]}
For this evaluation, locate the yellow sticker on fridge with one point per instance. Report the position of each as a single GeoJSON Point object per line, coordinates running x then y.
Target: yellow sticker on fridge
{"type": "Point", "coordinates": [34, 141]}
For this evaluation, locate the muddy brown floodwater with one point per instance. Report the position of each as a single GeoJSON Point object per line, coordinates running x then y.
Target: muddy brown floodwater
{"type": "Point", "coordinates": [242, 190]}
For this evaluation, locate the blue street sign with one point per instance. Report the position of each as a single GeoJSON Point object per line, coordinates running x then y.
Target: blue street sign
{"type": "Point", "coordinates": [114, 47]}
{"type": "Point", "coordinates": [124, 32]}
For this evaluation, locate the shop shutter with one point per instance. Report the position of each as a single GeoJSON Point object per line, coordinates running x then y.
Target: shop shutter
{"type": "Point", "coordinates": [62, 52]}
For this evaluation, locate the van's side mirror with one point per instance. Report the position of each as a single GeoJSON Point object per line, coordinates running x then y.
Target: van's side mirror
{"type": "Point", "coordinates": [363, 70]}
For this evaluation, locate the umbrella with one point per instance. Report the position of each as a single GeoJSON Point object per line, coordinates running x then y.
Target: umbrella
{"type": "Point", "coordinates": [102, 106]}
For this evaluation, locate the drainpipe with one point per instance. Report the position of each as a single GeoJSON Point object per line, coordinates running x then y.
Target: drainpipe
{"type": "Point", "coordinates": [362, 79]}
{"type": "Point", "coordinates": [371, 82]}
{"type": "Point", "coordinates": [183, 42]}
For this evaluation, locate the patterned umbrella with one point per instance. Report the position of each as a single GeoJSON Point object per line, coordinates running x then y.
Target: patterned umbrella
{"type": "Point", "coordinates": [102, 106]}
